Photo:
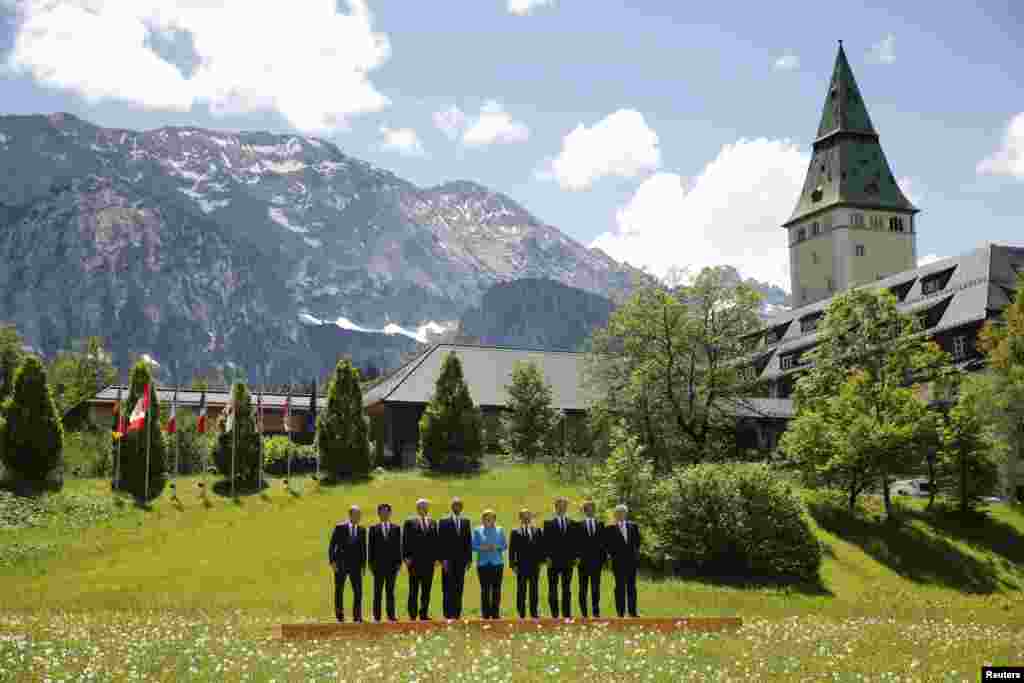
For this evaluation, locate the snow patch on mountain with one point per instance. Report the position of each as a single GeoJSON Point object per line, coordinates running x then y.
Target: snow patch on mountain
{"type": "Point", "coordinates": [283, 167]}
{"type": "Point", "coordinates": [421, 334]}
{"type": "Point", "coordinates": [277, 215]}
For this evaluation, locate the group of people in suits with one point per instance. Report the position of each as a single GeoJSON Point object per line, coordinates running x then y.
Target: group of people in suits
{"type": "Point", "coordinates": [421, 543]}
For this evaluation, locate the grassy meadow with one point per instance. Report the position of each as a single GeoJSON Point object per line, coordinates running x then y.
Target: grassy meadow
{"type": "Point", "coordinates": [188, 590]}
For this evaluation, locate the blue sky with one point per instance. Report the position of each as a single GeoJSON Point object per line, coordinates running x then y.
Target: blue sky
{"type": "Point", "coordinates": [667, 133]}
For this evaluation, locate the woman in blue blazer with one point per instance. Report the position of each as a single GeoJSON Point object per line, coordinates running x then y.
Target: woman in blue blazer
{"type": "Point", "coordinates": [489, 545]}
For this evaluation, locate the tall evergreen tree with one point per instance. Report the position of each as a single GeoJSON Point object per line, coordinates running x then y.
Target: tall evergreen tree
{"type": "Point", "coordinates": [134, 443]}
{"type": "Point", "coordinates": [245, 443]}
{"type": "Point", "coordinates": [341, 430]}
{"type": "Point", "coordinates": [451, 429]}
{"type": "Point", "coordinates": [529, 429]}
{"type": "Point", "coordinates": [33, 436]}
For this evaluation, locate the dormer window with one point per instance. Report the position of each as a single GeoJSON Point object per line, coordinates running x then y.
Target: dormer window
{"type": "Point", "coordinates": [959, 347]}
{"type": "Point", "coordinates": [787, 361]}
{"type": "Point", "coordinates": [809, 323]}
{"type": "Point", "coordinates": [816, 195]}
{"type": "Point", "coordinates": [936, 281]}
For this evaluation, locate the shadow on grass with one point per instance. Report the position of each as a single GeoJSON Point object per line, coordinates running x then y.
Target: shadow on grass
{"type": "Point", "coordinates": [976, 529]}
{"type": "Point", "coordinates": [916, 554]}
{"type": "Point", "coordinates": [242, 488]}
{"type": "Point", "coordinates": [781, 583]}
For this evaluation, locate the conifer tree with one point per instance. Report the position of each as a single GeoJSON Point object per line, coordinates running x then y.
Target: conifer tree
{"type": "Point", "coordinates": [451, 429]}
{"type": "Point", "coordinates": [245, 444]}
{"type": "Point", "coordinates": [33, 436]}
{"type": "Point", "coordinates": [341, 430]}
{"type": "Point", "coordinates": [531, 420]}
{"type": "Point", "coordinates": [133, 446]}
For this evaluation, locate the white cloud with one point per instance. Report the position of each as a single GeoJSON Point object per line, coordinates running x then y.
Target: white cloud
{"type": "Point", "coordinates": [1008, 159]}
{"type": "Point", "coordinates": [450, 121]}
{"type": "Point", "coordinates": [928, 258]}
{"type": "Point", "coordinates": [787, 62]}
{"type": "Point", "coordinates": [524, 7]}
{"type": "Point", "coordinates": [402, 140]}
{"type": "Point", "coordinates": [251, 57]}
{"type": "Point", "coordinates": [494, 125]}
{"type": "Point", "coordinates": [621, 144]}
{"type": "Point", "coordinates": [884, 51]}
{"type": "Point", "coordinates": [731, 213]}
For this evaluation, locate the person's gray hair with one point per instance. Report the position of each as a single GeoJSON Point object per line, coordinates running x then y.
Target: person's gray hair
{"type": "Point", "coordinates": [354, 508]}
{"type": "Point", "coordinates": [621, 507]}
{"type": "Point", "coordinates": [422, 501]}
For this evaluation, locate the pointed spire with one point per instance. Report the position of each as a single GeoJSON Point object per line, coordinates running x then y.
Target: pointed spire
{"type": "Point", "coordinates": [844, 108]}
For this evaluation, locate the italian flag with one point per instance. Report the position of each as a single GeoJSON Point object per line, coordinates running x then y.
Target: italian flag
{"type": "Point", "coordinates": [201, 420]}
{"type": "Point", "coordinates": [138, 418]}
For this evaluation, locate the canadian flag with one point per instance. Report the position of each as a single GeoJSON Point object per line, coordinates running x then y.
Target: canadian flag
{"type": "Point", "coordinates": [138, 418]}
{"type": "Point", "coordinates": [172, 423]}
{"type": "Point", "coordinates": [201, 421]}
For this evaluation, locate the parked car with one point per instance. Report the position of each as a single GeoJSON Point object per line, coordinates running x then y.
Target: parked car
{"type": "Point", "coordinates": [912, 487]}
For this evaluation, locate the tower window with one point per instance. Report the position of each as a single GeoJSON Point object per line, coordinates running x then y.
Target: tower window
{"type": "Point", "coordinates": [815, 228]}
{"type": "Point", "coordinates": [858, 219]}
{"type": "Point", "coordinates": [829, 284]}
{"type": "Point", "coordinates": [876, 222]}
{"type": "Point", "coordinates": [896, 224]}
{"type": "Point", "coordinates": [860, 250]}
{"type": "Point", "coordinates": [814, 257]}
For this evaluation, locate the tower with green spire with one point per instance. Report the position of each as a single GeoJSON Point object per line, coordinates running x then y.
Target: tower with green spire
{"type": "Point", "coordinates": [852, 224]}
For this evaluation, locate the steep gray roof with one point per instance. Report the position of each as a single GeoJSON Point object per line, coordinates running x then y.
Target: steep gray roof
{"type": "Point", "coordinates": [980, 282]}
{"type": "Point", "coordinates": [213, 398]}
{"type": "Point", "coordinates": [487, 371]}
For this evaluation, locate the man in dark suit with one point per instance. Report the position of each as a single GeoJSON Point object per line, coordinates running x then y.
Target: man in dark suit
{"type": "Point", "coordinates": [560, 551]}
{"type": "Point", "coordinates": [593, 555]}
{"type": "Point", "coordinates": [347, 555]}
{"type": "Point", "coordinates": [624, 548]}
{"type": "Point", "coordinates": [385, 560]}
{"type": "Point", "coordinates": [525, 555]}
{"type": "Point", "coordinates": [456, 541]}
{"type": "Point", "coordinates": [420, 552]}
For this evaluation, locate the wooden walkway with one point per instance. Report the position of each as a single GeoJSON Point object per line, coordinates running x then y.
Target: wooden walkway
{"type": "Point", "coordinates": [321, 631]}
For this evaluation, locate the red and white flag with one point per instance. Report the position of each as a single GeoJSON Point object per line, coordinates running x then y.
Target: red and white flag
{"type": "Point", "coordinates": [201, 420]}
{"type": "Point", "coordinates": [288, 411]}
{"type": "Point", "coordinates": [138, 418]}
{"type": "Point", "coordinates": [172, 421]}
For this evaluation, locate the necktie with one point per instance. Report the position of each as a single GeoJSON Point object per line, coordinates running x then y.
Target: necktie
{"type": "Point", "coordinates": [561, 524]}
{"type": "Point", "coordinates": [526, 530]}
{"type": "Point", "coordinates": [353, 527]}
{"type": "Point", "coordinates": [423, 523]}
{"type": "Point", "coordinates": [458, 525]}
{"type": "Point", "coordinates": [590, 527]}
{"type": "Point", "coordinates": [385, 529]}
{"type": "Point", "coordinates": [624, 536]}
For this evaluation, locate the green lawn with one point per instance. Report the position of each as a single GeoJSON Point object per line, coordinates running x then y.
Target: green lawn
{"type": "Point", "coordinates": [188, 592]}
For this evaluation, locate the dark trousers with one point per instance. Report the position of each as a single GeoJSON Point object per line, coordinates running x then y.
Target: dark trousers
{"type": "Point", "coordinates": [590, 576]}
{"type": "Point", "coordinates": [452, 583]}
{"type": "Point", "coordinates": [625, 590]}
{"type": "Point", "coordinates": [420, 581]}
{"type": "Point", "coordinates": [528, 581]}
{"type": "Point", "coordinates": [561, 575]}
{"type": "Point", "coordinates": [384, 582]}
{"type": "Point", "coordinates": [490, 590]}
{"type": "Point", "coordinates": [355, 577]}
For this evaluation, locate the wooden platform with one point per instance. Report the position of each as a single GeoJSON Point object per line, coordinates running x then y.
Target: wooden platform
{"type": "Point", "coordinates": [320, 631]}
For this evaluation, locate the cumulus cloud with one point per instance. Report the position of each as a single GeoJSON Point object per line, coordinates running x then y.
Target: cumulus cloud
{"type": "Point", "coordinates": [247, 55]}
{"type": "Point", "coordinates": [402, 140]}
{"type": "Point", "coordinates": [928, 258]}
{"type": "Point", "coordinates": [730, 213]}
{"type": "Point", "coordinates": [884, 51]}
{"type": "Point", "coordinates": [494, 125]}
{"type": "Point", "coordinates": [621, 144]}
{"type": "Point", "coordinates": [787, 62]}
{"type": "Point", "coordinates": [524, 7]}
{"type": "Point", "coordinates": [450, 121]}
{"type": "Point", "coordinates": [1009, 158]}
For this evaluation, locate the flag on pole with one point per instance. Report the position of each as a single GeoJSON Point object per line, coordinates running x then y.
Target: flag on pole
{"type": "Point", "coordinates": [172, 425]}
{"type": "Point", "coordinates": [118, 427]}
{"type": "Point", "coordinates": [138, 418]}
{"type": "Point", "coordinates": [230, 422]}
{"type": "Point", "coordinates": [311, 426]}
{"type": "Point", "coordinates": [201, 420]}
{"type": "Point", "coordinates": [288, 411]}
{"type": "Point", "coordinates": [259, 413]}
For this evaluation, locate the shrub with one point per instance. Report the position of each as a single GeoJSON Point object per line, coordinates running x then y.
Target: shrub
{"type": "Point", "coordinates": [133, 448]}
{"type": "Point", "coordinates": [187, 448]}
{"type": "Point", "coordinates": [342, 432]}
{"type": "Point", "coordinates": [275, 456]}
{"type": "Point", "coordinates": [627, 476]}
{"type": "Point", "coordinates": [733, 520]}
{"type": "Point", "coordinates": [33, 435]}
{"type": "Point", "coordinates": [451, 430]}
{"type": "Point", "coordinates": [88, 453]}
{"type": "Point", "coordinates": [238, 448]}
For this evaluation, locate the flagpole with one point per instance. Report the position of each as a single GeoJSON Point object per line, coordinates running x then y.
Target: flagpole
{"type": "Point", "coordinates": [149, 437]}
{"type": "Point", "coordinates": [117, 451]}
{"type": "Point", "coordinates": [234, 439]}
{"type": "Point", "coordinates": [259, 418]}
{"type": "Point", "coordinates": [177, 446]}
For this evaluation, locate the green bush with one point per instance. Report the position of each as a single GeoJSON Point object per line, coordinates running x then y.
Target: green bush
{"type": "Point", "coordinates": [733, 520]}
{"type": "Point", "coordinates": [626, 477]}
{"type": "Point", "coordinates": [275, 456]}
{"type": "Point", "coordinates": [88, 453]}
{"type": "Point", "coordinates": [451, 429]}
{"type": "Point", "coordinates": [188, 446]}
{"type": "Point", "coordinates": [134, 451]}
{"type": "Point", "coordinates": [238, 450]}
{"type": "Point", "coordinates": [33, 435]}
{"type": "Point", "coordinates": [342, 432]}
